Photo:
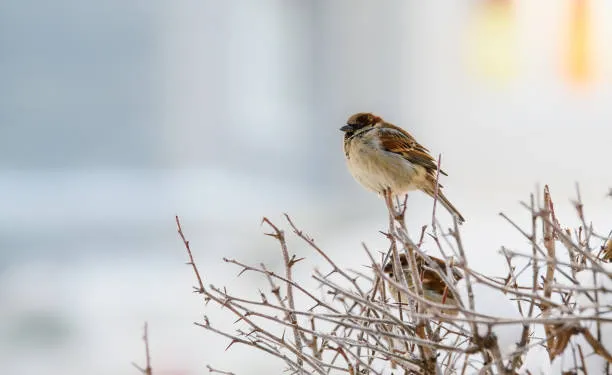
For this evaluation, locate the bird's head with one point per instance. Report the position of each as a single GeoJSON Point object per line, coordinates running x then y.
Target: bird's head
{"type": "Point", "coordinates": [360, 122]}
{"type": "Point", "coordinates": [388, 269]}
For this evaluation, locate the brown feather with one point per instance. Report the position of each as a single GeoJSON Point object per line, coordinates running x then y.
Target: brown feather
{"type": "Point", "coordinates": [431, 281]}
{"type": "Point", "coordinates": [397, 140]}
{"type": "Point", "coordinates": [422, 267]}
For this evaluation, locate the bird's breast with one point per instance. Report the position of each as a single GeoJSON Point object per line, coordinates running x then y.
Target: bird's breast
{"type": "Point", "coordinates": [377, 169]}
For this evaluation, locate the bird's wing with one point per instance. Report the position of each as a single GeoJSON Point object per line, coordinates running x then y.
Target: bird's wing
{"type": "Point", "coordinates": [421, 263]}
{"type": "Point", "coordinates": [432, 281]}
{"type": "Point", "coordinates": [397, 140]}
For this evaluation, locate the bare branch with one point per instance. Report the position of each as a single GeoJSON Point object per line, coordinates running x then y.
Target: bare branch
{"type": "Point", "coordinates": [349, 325]}
{"type": "Point", "coordinates": [147, 370]}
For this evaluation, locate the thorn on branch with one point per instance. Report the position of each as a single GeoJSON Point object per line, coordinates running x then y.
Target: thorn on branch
{"type": "Point", "coordinates": [231, 343]}
{"type": "Point", "coordinates": [242, 271]}
{"type": "Point", "coordinates": [293, 261]}
{"type": "Point", "coordinates": [264, 300]}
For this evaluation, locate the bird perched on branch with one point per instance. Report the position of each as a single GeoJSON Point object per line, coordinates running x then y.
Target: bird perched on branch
{"type": "Point", "coordinates": [383, 157]}
{"type": "Point", "coordinates": [435, 288]}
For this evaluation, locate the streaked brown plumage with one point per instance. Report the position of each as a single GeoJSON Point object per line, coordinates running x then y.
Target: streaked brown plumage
{"type": "Point", "coordinates": [434, 288]}
{"type": "Point", "coordinates": [383, 156]}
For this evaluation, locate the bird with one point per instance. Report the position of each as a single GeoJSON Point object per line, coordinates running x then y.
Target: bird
{"type": "Point", "coordinates": [435, 288]}
{"type": "Point", "coordinates": [383, 157]}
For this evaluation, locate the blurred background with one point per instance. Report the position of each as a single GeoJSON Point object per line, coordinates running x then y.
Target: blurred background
{"type": "Point", "coordinates": [115, 116]}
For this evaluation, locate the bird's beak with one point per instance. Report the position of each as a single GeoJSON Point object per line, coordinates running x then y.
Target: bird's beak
{"type": "Point", "coordinates": [346, 128]}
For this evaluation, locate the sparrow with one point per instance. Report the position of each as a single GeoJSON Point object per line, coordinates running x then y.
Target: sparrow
{"type": "Point", "coordinates": [382, 156]}
{"type": "Point", "coordinates": [434, 288]}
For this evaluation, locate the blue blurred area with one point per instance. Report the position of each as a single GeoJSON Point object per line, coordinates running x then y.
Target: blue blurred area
{"type": "Point", "coordinates": [115, 116]}
{"type": "Point", "coordinates": [78, 85]}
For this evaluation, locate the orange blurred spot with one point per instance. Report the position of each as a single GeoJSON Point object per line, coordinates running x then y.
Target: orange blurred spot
{"type": "Point", "coordinates": [579, 64]}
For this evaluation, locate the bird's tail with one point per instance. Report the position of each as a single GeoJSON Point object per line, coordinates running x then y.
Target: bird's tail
{"type": "Point", "coordinates": [447, 204]}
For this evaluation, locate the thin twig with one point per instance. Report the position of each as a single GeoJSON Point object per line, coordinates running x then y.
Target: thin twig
{"type": "Point", "coordinates": [147, 370]}
{"type": "Point", "coordinates": [289, 262]}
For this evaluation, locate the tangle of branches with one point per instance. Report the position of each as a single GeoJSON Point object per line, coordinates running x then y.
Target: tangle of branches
{"type": "Point", "coordinates": [386, 320]}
